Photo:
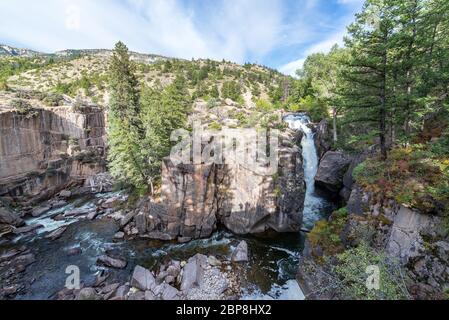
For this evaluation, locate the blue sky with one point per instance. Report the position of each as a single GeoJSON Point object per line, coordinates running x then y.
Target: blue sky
{"type": "Point", "coordinates": [276, 33]}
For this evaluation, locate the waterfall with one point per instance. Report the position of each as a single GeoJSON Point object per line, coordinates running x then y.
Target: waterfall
{"type": "Point", "coordinates": [314, 204]}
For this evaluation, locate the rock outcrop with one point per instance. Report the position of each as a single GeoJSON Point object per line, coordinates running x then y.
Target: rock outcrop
{"type": "Point", "coordinates": [45, 151]}
{"type": "Point", "coordinates": [323, 138]}
{"type": "Point", "coordinates": [332, 169]}
{"type": "Point", "coordinates": [198, 197]}
{"type": "Point", "coordinates": [412, 238]}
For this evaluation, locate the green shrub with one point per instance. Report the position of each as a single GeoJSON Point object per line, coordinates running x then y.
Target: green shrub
{"type": "Point", "coordinates": [215, 126]}
{"type": "Point", "coordinates": [24, 108]}
{"type": "Point", "coordinates": [352, 272]}
{"type": "Point", "coordinates": [212, 103]}
{"type": "Point", "coordinates": [326, 234]}
{"type": "Point", "coordinates": [231, 90]}
{"type": "Point", "coordinates": [263, 105]}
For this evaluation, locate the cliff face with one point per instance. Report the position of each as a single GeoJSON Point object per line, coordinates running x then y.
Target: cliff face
{"type": "Point", "coordinates": [411, 239]}
{"type": "Point", "coordinates": [41, 153]}
{"type": "Point", "coordinates": [196, 198]}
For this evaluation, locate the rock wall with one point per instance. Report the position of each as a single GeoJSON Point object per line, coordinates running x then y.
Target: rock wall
{"type": "Point", "coordinates": [197, 198]}
{"type": "Point", "coordinates": [414, 240]}
{"type": "Point", "coordinates": [41, 153]}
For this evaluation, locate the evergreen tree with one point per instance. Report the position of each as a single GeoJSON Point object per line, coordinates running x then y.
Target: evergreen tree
{"type": "Point", "coordinates": [162, 113]}
{"type": "Point", "coordinates": [126, 162]}
{"type": "Point", "coordinates": [367, 91]}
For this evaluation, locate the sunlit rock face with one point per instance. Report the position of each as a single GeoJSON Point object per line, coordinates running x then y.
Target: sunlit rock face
{"type": "Point", "coordinates": [43, 152]}
{"type": "Point", "coordinates": [196, 198]}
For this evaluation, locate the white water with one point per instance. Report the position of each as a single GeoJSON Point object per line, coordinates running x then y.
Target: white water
{"type": "Point", "coordinates": [314, 205]}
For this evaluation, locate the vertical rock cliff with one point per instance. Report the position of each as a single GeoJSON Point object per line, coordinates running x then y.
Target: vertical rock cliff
{"type": "Point", "coordinates": [198, 198]}
{"type": "Point", "coordinates": [43, 152]}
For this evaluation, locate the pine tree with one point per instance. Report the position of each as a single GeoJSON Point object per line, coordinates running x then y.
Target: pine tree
{"type": "Point", "coordinates": [367, 91]}
{"type": "Point", "coordinates": [125, 128]}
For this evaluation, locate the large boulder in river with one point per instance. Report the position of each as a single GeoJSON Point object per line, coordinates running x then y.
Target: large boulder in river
{"type": "Point", "coordinates": [240, 253]}
{"type": "Point", "coordinates": [112, 262]}
{"type": "Point", "coordinates": [332, 169]}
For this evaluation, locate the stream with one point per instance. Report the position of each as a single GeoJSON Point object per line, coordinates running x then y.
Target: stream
{"type": "Point", "coordinates": [270, 273]}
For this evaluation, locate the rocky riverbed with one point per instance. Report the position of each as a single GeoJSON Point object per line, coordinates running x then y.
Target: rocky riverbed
{"type": "Point", "coordinates": [85, 231]}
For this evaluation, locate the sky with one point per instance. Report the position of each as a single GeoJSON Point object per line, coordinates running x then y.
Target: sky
{"type": "Point", "coordinates": [277, 33]}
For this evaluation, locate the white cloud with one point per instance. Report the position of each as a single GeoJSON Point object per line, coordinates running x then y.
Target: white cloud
{"type": "Point", "coordinates": [323, 46]}
{"type": "Point", "coordinates": [247, 30]}
{"type": "Point", "coordinates": [291, 67]}
{"type": "Point", "coordinates": [157, 26]}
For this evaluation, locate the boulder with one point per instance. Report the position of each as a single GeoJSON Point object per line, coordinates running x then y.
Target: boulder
{"type": "Point", "coordinates": [149, 296]}
{"type": "Point", "coordinates": [8, 216]}
{"type": "Point", "coordinates": [169, 292]}
{"type": "Point", "coordinates": [112, 262]}
{"type": "Point", "coordinates": [27, 229]}
{"type": "Point", "coordinates": [141, 223]}
{"type": "Point", "coordinates": [37, 212]}
{"type": "Point", "coordinates": [65, 194]}
{"type": "Point", "coordinates": [193, 272]}
{"type": "Point", "coordinates": [58, 204]}
{"type": "Point", "coordinates": [405, 240]}
{"type": "Point", "coordinates": [358, 201]}
{"type": "Point", "coordinates": [143, 279]}
{"type": "Point", "coordinates": [56, 234]}
{"type": "Point", "coordinates": [127, 218]}
{"type": "Point", "coordinates": [119, 235]}
{"type": "Point", "coordinates": [88, 294]}
{"type": "Point", "coordinates": [331, 170]}
{"type": "Point", "coordinates": [110, 203]}
{"type": "Point", "coordinates": [195, 197]}
{"type": "Point", "coordinates": [137, 296]}
{"type": "Point", "coordinates": [110, 288]}
{"type": "Point", "coordinates": [76, 212]}
{"type": "Point", "coordinates": [92, 215]}
{"type": "Point", "coordinates": [240, 253]}
{"type": "Point", "coordinates": [122, 291]}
